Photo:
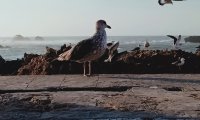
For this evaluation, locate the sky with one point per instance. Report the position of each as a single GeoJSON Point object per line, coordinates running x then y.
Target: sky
{"type": "Point", "coordinates": [78, 17]}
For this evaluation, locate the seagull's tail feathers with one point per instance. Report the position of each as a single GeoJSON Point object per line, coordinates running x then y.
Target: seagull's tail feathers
{"type": "Point", "coordinates": [65, 56]}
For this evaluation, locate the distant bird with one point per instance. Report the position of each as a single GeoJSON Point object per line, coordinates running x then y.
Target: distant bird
{"type": "Point", "coordinates": [137, 48]}
{"type": "Point", "coordinates": [163, 2]}
{"type": "Point", "coordinates": [146, 44]}
{"type": "Point", "coordinates": [112, 50]}
{"type": "Point", "coordinates": [179, 63]}
{"type": "Point", "coordinates": [176, 40]}
{"type": "Point", "coordinates": [90, 49]}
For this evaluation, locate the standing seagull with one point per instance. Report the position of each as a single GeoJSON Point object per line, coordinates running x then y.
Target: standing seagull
{"type": "Point", "coordinates": [179, 63]}
{"type": "Point", "coordinates": [176, 40]}
{"type": "Point", "coordinates": [90, 49]}
{"type": "Point", "coordinates": [163, 2]}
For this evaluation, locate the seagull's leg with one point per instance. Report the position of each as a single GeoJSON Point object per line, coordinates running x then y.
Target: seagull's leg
{"type": "Point", "coordinates": [179, 68]}
{"type": "Point", "coordinates": [89, 68]}
{"type": "Point", "coordinates": [84, 68]}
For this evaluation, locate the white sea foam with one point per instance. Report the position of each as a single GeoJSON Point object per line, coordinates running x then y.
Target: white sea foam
{"type": "Point", "coordinates": [19, 47]}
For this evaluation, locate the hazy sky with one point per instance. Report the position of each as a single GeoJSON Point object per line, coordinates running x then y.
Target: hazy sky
{"type": "Point", "coordinates": [78, 17]}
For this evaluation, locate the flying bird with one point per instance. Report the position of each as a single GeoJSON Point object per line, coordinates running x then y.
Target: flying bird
{"type": "Point", "coordinates": [176, 40]}
{"type": "Point", "coordinates": [163, 2]}
{"type": "Point", "coordinates": [90, 49]}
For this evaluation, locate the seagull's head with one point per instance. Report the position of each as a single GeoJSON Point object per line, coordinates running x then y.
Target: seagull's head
{"type": "Point", "coordinates": [179, 36]}
{"type": "Point", "coordinates": [163, 2]}
{"type": "Point", "coordinates": [182, 59]}
{"type": "Point", "coordinates": [101, 25]}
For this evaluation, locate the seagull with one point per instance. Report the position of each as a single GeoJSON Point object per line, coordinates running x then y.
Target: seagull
{"type": "Point", "coordinates": [90, 49]}
{"type": "Point", "coordinates": [179, 63]}
{"type": "Point", "coordinates": [146, 44]}
{"type": "Point", "coordinates": [176, 40]}
{"type": "Point", "coordinates": [163, 2]}
{"type": "Point", "coordinates": [112, 50]}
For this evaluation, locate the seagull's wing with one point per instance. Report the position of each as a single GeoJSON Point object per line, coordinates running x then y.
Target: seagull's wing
{"type": "Point", "coordinates": [82, 49]}
{"type": "Point", "coordinates": [175, 63]}
{"type": "Point", "coordinates": [174, 38]}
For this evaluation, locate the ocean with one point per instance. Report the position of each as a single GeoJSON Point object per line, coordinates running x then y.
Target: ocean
{"type": "Point", "coordinates": [16, 48]}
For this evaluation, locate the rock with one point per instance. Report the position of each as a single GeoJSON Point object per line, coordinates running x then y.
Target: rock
{"type": "Point", "coordinates": [37, 66]}
{"type": "Point", "coordinates": [1, 46]}
{"type": "Point", "coordinates": [141, 61]}
{"type": "Point", "coordinates": [2, 62]}
{"type": "Point", "coordinates": [20, 37]}
{"type": "Point", "coordinates": [194, 39]}
{"type": "Point", "coordinates": [28, 57]}
{"type": "Point", "coordinates": [11, 67]}
{"type": "Point", "coordinates": [51, 53]}
{"type": "Point", "coordinates": [39, 38]}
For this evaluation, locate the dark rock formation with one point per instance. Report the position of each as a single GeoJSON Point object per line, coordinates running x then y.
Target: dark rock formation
{"type": "Point", "coordinates": [146, 61]}
{"type": "Point", "coordinates": [140, 61]}
{"type": "Point", "coordinates": [194, 39]}
{"type": "Point", "coordinates": [9, 67]}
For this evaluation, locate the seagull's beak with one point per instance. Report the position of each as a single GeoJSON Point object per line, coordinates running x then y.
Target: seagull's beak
{"type": "Point", "coordinates": [108, 27]}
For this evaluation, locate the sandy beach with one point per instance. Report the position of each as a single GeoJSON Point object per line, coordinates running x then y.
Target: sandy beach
{"type": "Point", "coordinates": [125, 96]}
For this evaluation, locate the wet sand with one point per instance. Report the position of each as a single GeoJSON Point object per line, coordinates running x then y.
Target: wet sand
{"type": "Point", "coordinates": [158, 96]}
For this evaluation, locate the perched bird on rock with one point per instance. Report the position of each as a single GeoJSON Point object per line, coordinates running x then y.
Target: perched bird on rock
{"type": "Point", "coordinates": [90, 49]}
{"type": "Point", "coordinates": [180, 62]}
{"type": "Point", "coordinates": [112, 50]}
